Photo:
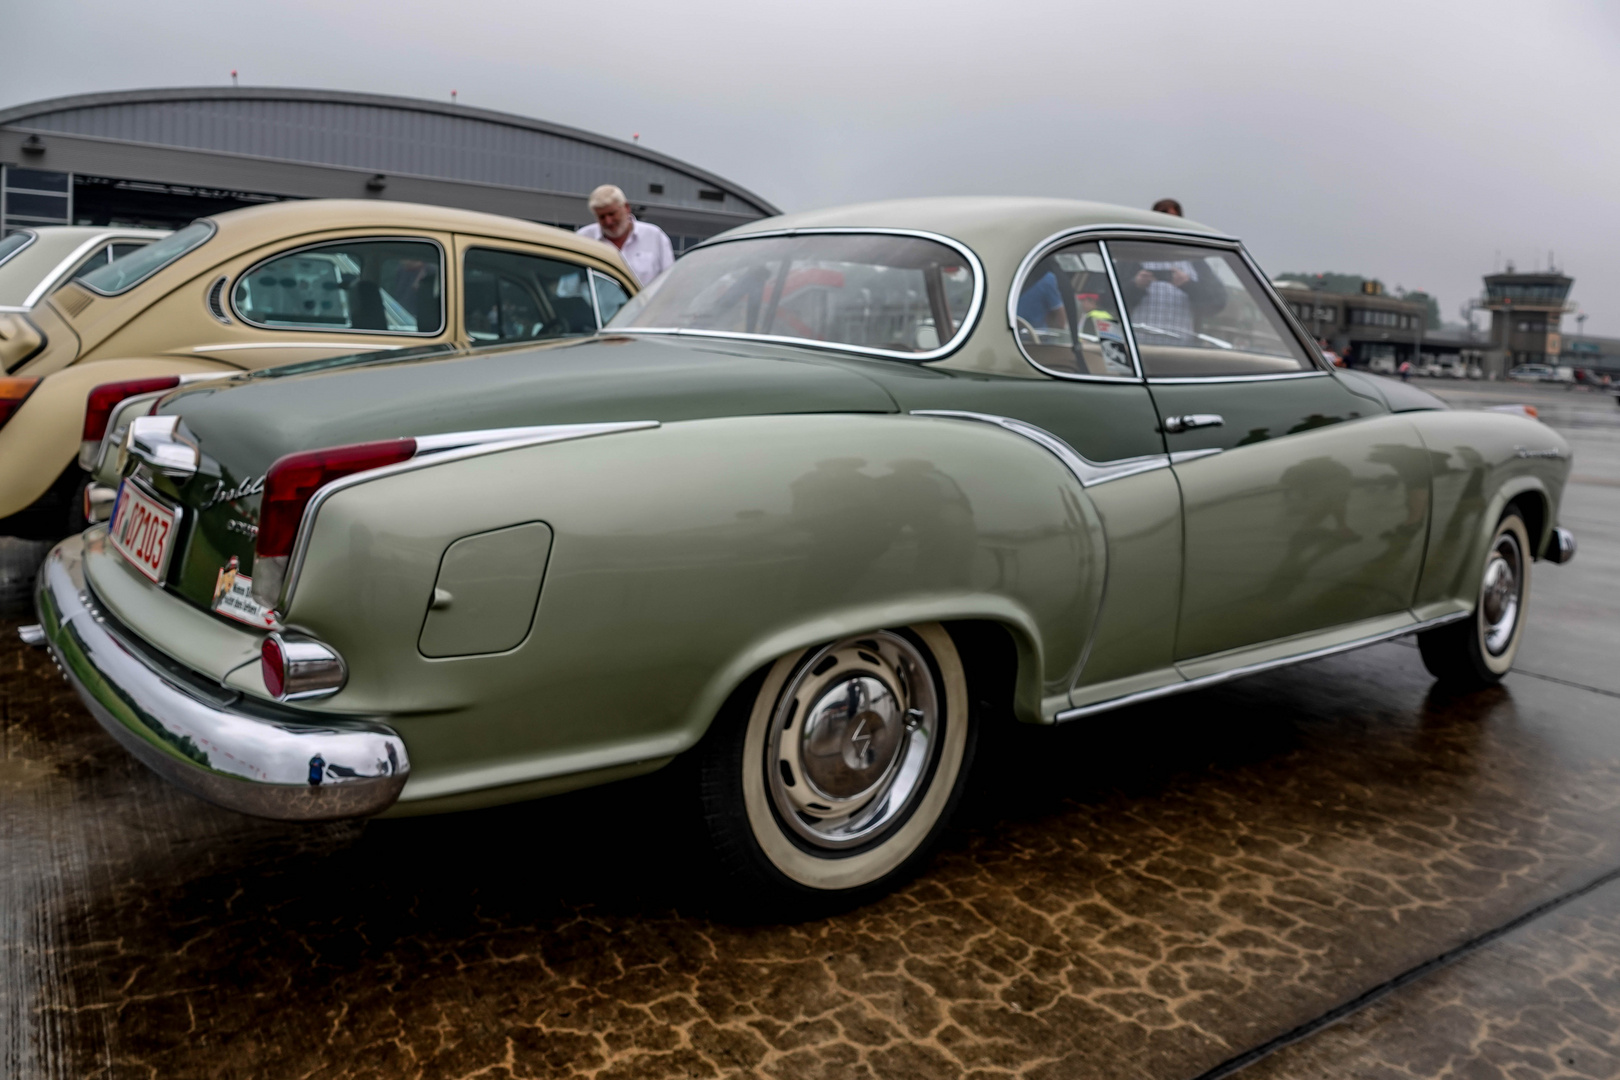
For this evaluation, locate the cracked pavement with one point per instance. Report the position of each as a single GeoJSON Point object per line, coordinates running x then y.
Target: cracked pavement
{"type": "Point", "coordinates": [1149, 894]}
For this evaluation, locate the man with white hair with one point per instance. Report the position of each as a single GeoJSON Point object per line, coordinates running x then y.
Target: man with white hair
{"type": "Point", "coordinates": [645, 247]}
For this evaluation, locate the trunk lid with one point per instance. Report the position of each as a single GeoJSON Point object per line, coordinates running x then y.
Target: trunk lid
{"type": "Point", "coordinates": [242, 426]}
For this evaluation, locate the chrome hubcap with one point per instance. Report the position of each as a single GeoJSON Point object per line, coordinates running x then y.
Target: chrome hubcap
{"type": "Point", "coordinates": [852, 740]}
{"type": "Point", "coordinates": [1499, 594]}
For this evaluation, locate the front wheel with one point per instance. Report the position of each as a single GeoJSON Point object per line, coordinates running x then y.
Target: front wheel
{"type": "Point", "coordinates": [1478, 651]}
{"type": "Point", "coordinates": [832, 782]}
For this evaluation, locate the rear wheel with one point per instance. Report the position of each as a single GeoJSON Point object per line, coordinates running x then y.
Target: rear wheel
{"type": "Point", "coordinates": [1478, 651]}
{"type": "Point", "coordinates": [831, 782]}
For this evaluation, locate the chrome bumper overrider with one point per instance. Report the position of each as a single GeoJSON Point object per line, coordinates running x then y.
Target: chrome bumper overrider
{"type": "Point", "coordinates": [241, 753]}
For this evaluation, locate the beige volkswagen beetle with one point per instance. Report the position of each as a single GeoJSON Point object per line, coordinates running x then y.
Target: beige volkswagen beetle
{"type": "Point", "coordinates": [269, 285]}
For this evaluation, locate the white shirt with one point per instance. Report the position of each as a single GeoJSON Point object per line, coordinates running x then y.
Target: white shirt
{"type": "Point", "coordinates": [646, 250]}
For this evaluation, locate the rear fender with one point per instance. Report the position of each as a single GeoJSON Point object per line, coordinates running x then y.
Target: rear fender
{"type": "Point", "coordinates": [685, 558]}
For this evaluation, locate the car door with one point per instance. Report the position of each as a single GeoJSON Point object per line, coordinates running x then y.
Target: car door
{"type": "Point", "coordinates": [1305, 505]}
{"type": "Point", "coordinates": [1065, 316]}
{"type": "Point", "coordinates": [513, 292]}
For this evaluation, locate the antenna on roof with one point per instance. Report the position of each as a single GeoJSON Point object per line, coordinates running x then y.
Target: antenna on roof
{"type": "Point", "coordinates": [233, 76]}
{"type": "Point", "coordinates": [636, 137]}
{"type": "Point", "coordinates": [452, 97]}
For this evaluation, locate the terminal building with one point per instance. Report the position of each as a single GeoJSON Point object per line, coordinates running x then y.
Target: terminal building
{"type": "Point", "coordinates": [164, 157]}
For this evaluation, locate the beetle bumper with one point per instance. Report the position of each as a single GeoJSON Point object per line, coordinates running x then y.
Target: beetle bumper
{"type": "Point", "coordinates": [238, 752]}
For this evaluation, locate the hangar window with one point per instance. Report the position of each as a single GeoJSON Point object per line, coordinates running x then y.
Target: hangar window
{"type": "Point", "coordinates": [370, 286]}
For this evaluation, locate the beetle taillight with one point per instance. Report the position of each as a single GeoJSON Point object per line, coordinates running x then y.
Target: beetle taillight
{"type": "Point", "coordinates": [106, 397]}
{"type": "Point", "coordinates": [13, 392]}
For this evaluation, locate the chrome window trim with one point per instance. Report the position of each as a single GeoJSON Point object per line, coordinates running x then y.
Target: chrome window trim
{"type": "Point", "coordinates": [1289, 319]}
{"type": "Point", "coordinates": [963, 332]}
{"type": "Point", "coordinates": [444, 289]}
{"type": "Point", "coordinates": [30, 238]}
{"type": "Point", "coordinates": [213, 231]}
{"type": "Point", "coordinates": [594, 273]}
{"type": "Point", "coordinates": [1089, 473]}
{"type": "Point", "coordinates": [1253, 669]}
{"type": "Point", "coordinates": [440, 449]}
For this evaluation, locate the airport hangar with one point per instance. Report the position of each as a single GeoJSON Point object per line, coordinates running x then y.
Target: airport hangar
{"type": "Point", "coordinates": [164, 157]}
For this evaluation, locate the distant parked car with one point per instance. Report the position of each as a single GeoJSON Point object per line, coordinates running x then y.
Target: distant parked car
{"type": "Point", "coordinates": [269, 285]}
{"type": "Point", "coordinates": [34, 262]}
{"type": "Point", "coordinates": [1532, 373]}
{"type": "Point", "coordinates": [837, 492]}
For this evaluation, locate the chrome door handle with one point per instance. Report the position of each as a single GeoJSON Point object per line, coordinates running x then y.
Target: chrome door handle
{"type": "Point", "coordinates": [1173, 424]}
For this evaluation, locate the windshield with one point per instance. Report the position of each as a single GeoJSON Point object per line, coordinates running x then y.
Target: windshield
{"type": "Point", "coordinates": [876, 292]}
{"type": "Point", "coordinates": [15, 243]}
{"type": "Point", "coordinates": [125, 273]}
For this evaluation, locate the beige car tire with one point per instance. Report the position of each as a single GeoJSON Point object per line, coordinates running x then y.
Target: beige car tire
{"type": "Point", "coordinates": [833, 776]}
{"type": "Point", "coordinates": [1476, 652]}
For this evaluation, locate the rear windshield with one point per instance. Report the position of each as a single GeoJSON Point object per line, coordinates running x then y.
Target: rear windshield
{"type": "Point", "coordinates": [897, 295]}
{"type": "Point", "coordinates": [123, 274]}
{"type": "Point", "coordinates": [14, 243]}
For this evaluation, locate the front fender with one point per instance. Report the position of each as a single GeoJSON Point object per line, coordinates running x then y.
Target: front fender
{"type": "Point", "coordinates": [1481, 462]}
{"type": "Point", "coordinates": [42, 438]}
{"type": "Point", "coordinates": [685, 558]}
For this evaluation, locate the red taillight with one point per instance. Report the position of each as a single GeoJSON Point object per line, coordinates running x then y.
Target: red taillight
{"type": "Point", "coordinates": [105, 398]}
{"type": "Point", "coordinates": [273, 666]}
{"type": "Point", "coordinates": [294, 479]}
{"type": "Point", "coordinates": [13, 392]}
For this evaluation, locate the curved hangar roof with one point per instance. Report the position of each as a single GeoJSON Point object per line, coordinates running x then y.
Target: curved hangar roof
{"type": "Point", "coordinates": [320, 143]}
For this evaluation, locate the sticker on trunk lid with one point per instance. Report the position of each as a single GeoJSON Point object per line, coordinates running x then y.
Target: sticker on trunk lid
{"type": "Point", "coordinates": [233, 598]}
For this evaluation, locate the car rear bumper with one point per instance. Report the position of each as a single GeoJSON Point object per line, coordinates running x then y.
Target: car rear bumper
{"type": "Point", "coordinates": [238, 752]}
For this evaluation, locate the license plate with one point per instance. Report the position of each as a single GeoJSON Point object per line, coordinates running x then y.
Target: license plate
{"type": "Point", "coordinates": [143, 530]}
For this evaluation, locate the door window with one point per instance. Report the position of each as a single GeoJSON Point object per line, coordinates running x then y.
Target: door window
{"type": "Point", "coordinates": [1067, 316]}
{"type": "Point", "coordinates": [106, 254]}
{"type": "Point", "coordinates": [371, 286]}
{"type": "Point", "coordinates": [610, 296]}
{"type": "Point", "coordinates": [1198, 311]}
{"type": "Point", "coordinates": [511, 296]}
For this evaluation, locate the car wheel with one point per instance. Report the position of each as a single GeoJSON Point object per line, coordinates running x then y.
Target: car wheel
{"type": "Point", "coordinates": [1477, 652]}
{"type": "Point", "coordinates": [835, 774]}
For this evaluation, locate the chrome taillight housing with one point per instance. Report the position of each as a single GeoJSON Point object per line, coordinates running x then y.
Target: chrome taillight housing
{"type": "Point", "coordinates": [296, 667]}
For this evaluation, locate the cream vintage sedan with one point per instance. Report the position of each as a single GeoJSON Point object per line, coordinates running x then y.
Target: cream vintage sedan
{"type": "Point", "coordinates": [274, 284]}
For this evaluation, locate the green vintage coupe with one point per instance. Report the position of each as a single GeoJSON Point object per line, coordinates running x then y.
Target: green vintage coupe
{"type": "Point", "coordinates": [838, 491]}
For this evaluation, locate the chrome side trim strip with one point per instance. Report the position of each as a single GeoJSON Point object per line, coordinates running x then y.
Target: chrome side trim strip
{"type": "Point", "coordinates": [1181, 457]}
{"type": "Point", "coordinates": [962, 332]}
{"type": "Point", "coordinates": [363, 346]}
{"type": "Point", "coordinates": [1253, 669]}
{"type": "Point", "coordinates": [1088, 472]}
{"type": "Point", "coordinates": [1205, 379]}
{"type": "Point", "coordinates": [456, 446]}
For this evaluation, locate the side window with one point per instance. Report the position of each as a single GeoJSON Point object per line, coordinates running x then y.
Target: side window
{"type": "Point", "coordinates": [511, 296]}
{"type": "Point", "coordinates": [610, 296]}
{"type": "Point", "coordinates": [1199, 312]}
{"type": "Point", "coordinates": [374, 286]}
{"type": "Point", "coordinates": [1067, 316]}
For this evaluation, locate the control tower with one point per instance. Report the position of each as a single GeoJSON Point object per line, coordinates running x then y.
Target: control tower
{"type": "Point", "coordinates": [1527, 311]}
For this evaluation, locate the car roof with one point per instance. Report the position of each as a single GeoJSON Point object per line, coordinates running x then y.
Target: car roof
{"type": "Point", "coordinates": [273, 221]}
{"type": "Point", "coordinates": [990, 225]}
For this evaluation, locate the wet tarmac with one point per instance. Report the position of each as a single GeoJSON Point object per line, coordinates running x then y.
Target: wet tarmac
{"type": "Point", "coordinates": [1333, 870]}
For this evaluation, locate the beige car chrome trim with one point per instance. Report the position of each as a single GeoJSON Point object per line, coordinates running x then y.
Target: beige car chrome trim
{"type": "Point", "coordinates": [452, 446]}
{"type": "Point", "coordinates": [1255, 668]}
{"type": "Point", "coordinates": [366, 347]}
{"type": "Point", "coordinates": [1088, 472]}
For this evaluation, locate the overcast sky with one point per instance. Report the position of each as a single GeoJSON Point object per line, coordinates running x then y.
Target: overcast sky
{"type": "Point", "coordinates": [1410, 141]}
